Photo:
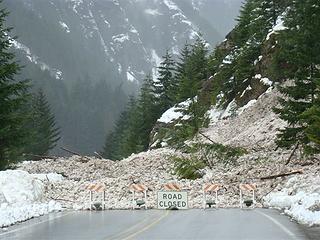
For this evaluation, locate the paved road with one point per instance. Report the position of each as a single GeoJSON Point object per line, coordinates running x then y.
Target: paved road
{"type": "Point", "coordinates": [155, 224]}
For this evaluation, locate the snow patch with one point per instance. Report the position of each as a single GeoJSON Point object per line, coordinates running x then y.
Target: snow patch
{"type": "Point", "coordinates": [230, 109]}
{"type": "Point", "coordinates": [258, 76]}
{"type": "Point", "coordinates": [171, 5]}
{"type": "Point", "coordinates": [279, 26]}
{"type": "Point", "coordinates": [56, 73]}
{"type": "Point", "coordinates": [299, 198]}
{"type": "Point", "coordinates": [153, 12]}
{"type": "Point", "coordinates": [266, 81]}
{"type": "Point", "coordinates": [21, 196]}
{"type": "Point", "coordinates": [107, 23]}
{"type": "Point", "coordinates": [227, 60]}
{"type": "Point", "coordinates": [175, 112]}
{"type": "Point", "coordinates": [247, 89]}
{"type": "Point", "coordinates": [130, 76]}
{"type": "Point", "coordinates": [120, 38]}
{"type": "Point", "coordinates": [155, 60]}
{"type": "Point", "coordinates": [64, 26]}
{"type": "Point", "coordinates": [214, 114]}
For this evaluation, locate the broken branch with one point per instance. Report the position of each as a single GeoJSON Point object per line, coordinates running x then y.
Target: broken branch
{"type": "Point", "coordinates": [282, 174]}
{"type": "Point", "coordinates": [292, 153]}
{"type": "Point", "coordinates": [206, 137]}
{"type": "Point", "coordinates": [75, 153]}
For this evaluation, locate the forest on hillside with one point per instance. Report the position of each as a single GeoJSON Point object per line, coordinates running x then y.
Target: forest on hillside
{"type": "Point", "coordinates": [273, 42]}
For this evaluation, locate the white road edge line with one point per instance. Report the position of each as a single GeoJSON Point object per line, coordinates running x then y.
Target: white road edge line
{"type": "Point", "coordinates": [286, 230]}
{"type": "Point", "coordinates": [33, 224]}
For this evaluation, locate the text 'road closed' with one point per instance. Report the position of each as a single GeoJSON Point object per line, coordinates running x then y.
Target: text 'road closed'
{"type": "Point", "coordinates": [172, 199]}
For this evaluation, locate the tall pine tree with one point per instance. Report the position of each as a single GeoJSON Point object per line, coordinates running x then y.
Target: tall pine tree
{"type": "Point", "coordinates": [45, 133]}
{"type": "Point", "coordinates": [166, 87]}
{"type": "Point", "coordinates": [299, 52]}
{"type": "Point", "coordinates": [13, 96]}
{"type": "Point", "coordinates": [194, 71]}
{"type": "Point", "coordinates": [147, 109]}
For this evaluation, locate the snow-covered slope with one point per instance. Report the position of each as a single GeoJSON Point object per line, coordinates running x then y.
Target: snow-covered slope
{"type": "Point", "coordinates": [123, 38]}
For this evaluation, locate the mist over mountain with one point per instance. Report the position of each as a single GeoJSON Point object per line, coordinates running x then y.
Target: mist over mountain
{"type": "Point", "coordinates": [89, 56]}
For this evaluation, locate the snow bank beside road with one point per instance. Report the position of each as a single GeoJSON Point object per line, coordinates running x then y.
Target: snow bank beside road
{"type": "Point", "coordinates": [21, 196]}
{"type": "Point", "coordinates": [299, 198]}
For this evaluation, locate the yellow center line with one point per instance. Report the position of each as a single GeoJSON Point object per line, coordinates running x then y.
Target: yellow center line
{"type": "Point", "coordinates": [133, 227]}
{"type": "Point", "coordinates": [148, 226]}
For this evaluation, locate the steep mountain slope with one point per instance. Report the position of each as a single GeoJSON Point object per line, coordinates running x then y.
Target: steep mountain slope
{"type": "Point", "coordinates": [242, 69]}
{"type": "Point", "coordinates": [89, 55]}
{"type": "Point", "coordinates": [74, 48]}
{"type": "Point", "coordinates": [96, 38]}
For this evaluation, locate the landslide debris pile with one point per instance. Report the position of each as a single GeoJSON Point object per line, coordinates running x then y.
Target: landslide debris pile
{"type": "Point", "coordinates": [152, 169]}
{"type": "Point", "coordinates": [254, 129]}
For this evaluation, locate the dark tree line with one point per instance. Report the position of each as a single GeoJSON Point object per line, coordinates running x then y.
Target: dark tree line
{"type": "Point", "coordinates": [26, 122]}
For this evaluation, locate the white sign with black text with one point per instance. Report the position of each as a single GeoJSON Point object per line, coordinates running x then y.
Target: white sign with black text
{"type": "Point", "coordinates": [168, 200]}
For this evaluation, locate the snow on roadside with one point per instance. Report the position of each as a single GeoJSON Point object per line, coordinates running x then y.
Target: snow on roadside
{"type": "Point", "coordinates": [299, 197]}
{"type": "Point", "coordinates": [21, 196]}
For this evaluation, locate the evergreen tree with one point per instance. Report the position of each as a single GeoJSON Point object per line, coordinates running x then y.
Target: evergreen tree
{"type": "Point", "coordinates": [109, 147]}
{"type": "Point", "coordinates": [124, 140]}
{"type": "Point", "coordinates": [166, 87]}
{"type": "Point", "coordinates": [13, 96]}
{"type": "Point", "coordinates": [45, 134]}
{"type": "Point", "coordinates": [299, 50]}
{"type": "Point", "coordinates": [311, 119]}
{"type": "Point", "coordinates": [256, 19]}
{"type": "Point", "coordinates": [148, 112]}
{"type": "Point", "coordinates": [131, 143]}
{"type": "Point", "coordinates": [195, 70]}
{"type": "Point", "coordinates": [182, 64]}
{"type": "Point", "coordinates": [112, 148]}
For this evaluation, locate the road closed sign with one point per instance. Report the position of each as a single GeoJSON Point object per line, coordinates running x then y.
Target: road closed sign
{"type": "Point", "coordinates": [172, 199]}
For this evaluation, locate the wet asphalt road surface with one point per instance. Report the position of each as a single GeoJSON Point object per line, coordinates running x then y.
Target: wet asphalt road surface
{"type": "Point", "coordinates": [219, 224]}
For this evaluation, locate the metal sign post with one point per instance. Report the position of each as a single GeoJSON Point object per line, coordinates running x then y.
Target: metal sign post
{"type": "Point", "coordinates": [97, 187]}
{"type": "Point", "coordinates": [138, 188]}
{"type": "Point", "coordinates": [210, 188]}
{"type": "Point", "coordinates": [247, 188]}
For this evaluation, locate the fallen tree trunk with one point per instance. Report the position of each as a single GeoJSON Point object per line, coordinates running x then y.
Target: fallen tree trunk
{"type": "Point", "coordinates": [292, 153]}
{"type": "Point", "coordinates": [282, 174]}
{"type": "Point", "coordinates": [206, 137]}
{"type": "Point", "coordinates": [75, 153]}
{"type": "Point", "coordinates": [62, 199]}
{"type": "Point", "coordinates": [99, 155]}
{"type": "Point", "coordinates": [40, 156]}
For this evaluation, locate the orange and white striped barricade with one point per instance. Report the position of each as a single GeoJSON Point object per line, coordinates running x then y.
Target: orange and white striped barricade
{"type": "Point", "coordinates": [209, 189]}
{"type": "Point", "coordinates": [247, 188]}
{"type": "Point", "coordinates": [139, 188]}
{"type": "Point", "coordinates": [97, 187]}
{"type": "Point", "coordinates": [172, 187]}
